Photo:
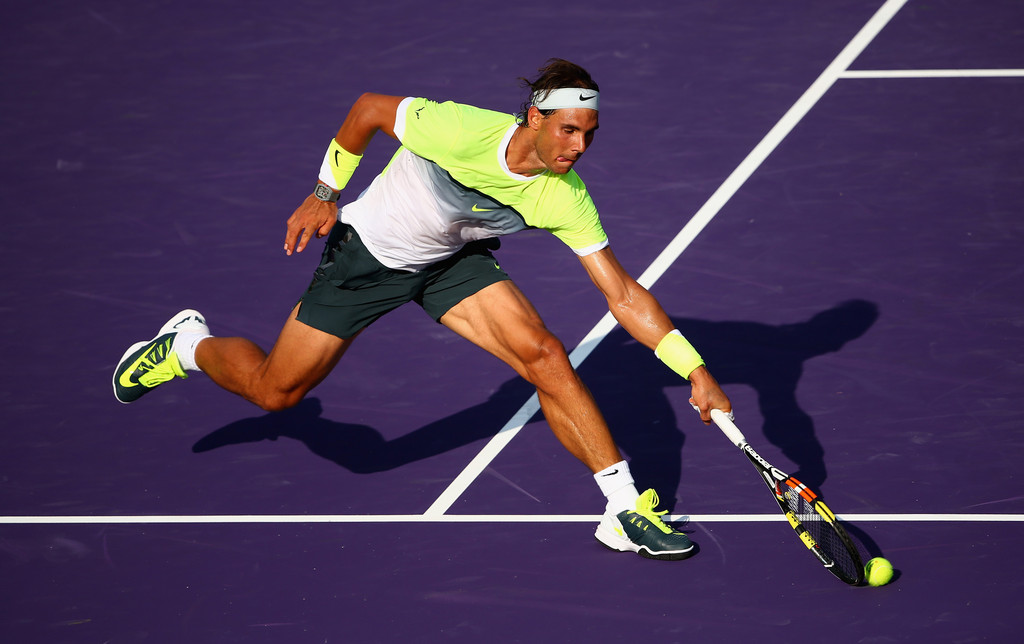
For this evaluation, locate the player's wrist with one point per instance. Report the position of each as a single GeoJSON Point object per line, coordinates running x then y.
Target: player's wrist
{"type": "Point", "coordinates": [326, 193]}
{"type": "Point", "coordinates": [338, 166]}
{"type": "Point", "coordinates": [679, 355]}
{"type": "Point", "coordinates": [699, 375]}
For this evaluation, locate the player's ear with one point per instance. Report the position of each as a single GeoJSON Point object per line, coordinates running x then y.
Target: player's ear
{"type": "Point", "coordinates": [534, 118]}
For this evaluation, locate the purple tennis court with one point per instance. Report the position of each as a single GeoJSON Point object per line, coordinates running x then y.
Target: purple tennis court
{"type": "Point", "coordinates": [824, 196]}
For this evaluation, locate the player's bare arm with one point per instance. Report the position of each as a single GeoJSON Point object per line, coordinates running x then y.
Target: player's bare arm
{"type": "Point", "coordinates": [315, 217]}
{"type": "Point", "coordinates": [369, 114]}
{"type": "Point", "coordinates": [642, 316]}
{"type": "Point", "coordinates": [631, 304]}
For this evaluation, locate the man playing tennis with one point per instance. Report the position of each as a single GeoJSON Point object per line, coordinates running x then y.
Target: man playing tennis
{"type": "Point", "coordinates": [423, 231]}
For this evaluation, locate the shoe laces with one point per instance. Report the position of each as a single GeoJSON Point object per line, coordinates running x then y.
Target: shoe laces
{"type": "Point", "coordinates": [645, 505]}
{"type": "Point", "coordinates": [162, 370]}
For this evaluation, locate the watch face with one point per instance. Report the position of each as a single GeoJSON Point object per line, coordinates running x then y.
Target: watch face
{"type": "Point", "coordinates": [323, 193]}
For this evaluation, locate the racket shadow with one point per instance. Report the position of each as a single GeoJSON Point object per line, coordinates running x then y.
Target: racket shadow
{"type": "Point", "coordinates": [630, 388]}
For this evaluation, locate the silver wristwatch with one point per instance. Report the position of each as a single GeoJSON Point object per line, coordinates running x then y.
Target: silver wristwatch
{"type": "Point", "coordinates": [325, 193]}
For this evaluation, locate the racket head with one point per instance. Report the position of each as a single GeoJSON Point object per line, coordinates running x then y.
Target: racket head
{"type": "Point", "coordinates": [820, 530]}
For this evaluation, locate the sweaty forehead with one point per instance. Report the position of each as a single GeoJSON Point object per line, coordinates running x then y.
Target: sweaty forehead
{"type": "Point", "coordinates": [578, 117]}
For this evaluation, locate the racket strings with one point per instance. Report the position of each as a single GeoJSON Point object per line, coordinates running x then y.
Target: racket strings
{"type": "Point", "coordinates": [826, 534]}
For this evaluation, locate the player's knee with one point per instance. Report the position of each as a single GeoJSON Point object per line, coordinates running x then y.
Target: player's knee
{"type": "Point", "coordinates": [278, 400]}
{"type": "Point", "coordinates": [546, 361]}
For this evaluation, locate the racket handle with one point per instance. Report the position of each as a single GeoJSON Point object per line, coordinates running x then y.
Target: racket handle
{"type": "Point", "coordinates": [728, 427]}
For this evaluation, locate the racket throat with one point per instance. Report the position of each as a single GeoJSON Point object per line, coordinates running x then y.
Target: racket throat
{"type": "Point", "coordinates": [771, 475]}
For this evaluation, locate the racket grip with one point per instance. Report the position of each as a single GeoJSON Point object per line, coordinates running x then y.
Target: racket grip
{"type": "Point", "coordinates": [728, 427]}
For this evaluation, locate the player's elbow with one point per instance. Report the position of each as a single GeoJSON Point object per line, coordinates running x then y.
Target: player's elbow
{"type": "Point", "coordinates": [374, 112]}
{"type": "Point", "coordinates": [624, 309]}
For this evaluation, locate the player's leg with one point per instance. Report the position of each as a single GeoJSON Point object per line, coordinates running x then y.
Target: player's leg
{"type": "Point", "coordinates": [350, 289]}
{"type": "Point", "coordinates": [300, 359]}
{"type": "Point", "coordinates": [502, 321]}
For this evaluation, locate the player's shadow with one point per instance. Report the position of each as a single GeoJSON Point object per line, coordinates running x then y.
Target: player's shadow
{"type": "Point", "coordinates": [629, 385]}
{"type": "Point", "coordinates": [768, 358]}
{"type": "Point", "coordinates": [361, 448]}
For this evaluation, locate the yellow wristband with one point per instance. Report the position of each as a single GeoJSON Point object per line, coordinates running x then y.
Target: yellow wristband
{"type": "Point", "coordinates": [677, 352]}
{"type": "Point", "coordinates": [338, 166]}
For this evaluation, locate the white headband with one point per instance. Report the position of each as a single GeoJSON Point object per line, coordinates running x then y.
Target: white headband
{"type": "Point", "coordinates": [566, 97]}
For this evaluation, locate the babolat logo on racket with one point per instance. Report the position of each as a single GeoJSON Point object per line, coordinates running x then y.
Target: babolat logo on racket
{"type": "Point", "coordinates": [765, 464]}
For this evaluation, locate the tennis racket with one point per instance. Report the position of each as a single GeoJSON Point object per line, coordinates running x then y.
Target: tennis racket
{"type": "Point", "coordinates": [812, 520]}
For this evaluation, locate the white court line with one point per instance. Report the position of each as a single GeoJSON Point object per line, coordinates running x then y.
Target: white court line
{"type": "Point", "coordinates": [933, 73]}
{"type": "Point", "coordinates": [474, 518]}
{"type": "Point", "coordinates": [676, 247]}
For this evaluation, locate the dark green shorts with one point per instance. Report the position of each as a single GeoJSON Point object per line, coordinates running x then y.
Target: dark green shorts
{"type": "Point", "coordinates": [351, 289]}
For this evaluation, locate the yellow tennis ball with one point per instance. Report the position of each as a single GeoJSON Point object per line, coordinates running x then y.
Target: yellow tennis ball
{"type": "Point", "coordinates": [878, 571]}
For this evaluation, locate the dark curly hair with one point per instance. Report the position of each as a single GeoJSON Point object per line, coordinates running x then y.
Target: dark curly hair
{"type": "Point", "coordinates": [555, 74]}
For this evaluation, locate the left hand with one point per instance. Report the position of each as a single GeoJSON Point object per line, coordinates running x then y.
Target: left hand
{"type": "Point", "coordinates": [706, 394]}
{"type": "Point", "coordinates": [312, 217]}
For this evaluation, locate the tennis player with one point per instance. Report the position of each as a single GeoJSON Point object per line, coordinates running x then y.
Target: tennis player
{"type": "Point", "coordinates": [424, 231]}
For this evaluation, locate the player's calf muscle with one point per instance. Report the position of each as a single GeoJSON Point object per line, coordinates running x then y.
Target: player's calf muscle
{"type": "Point", "coordinates": [242, 367]}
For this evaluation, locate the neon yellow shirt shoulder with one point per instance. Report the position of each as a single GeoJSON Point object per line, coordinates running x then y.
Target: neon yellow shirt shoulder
{"type": "Point", "coordinates": [469, 143]}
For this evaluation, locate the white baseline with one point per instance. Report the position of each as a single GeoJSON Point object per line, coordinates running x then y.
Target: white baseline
{"type": "Point", "coordinates": [933, 73]}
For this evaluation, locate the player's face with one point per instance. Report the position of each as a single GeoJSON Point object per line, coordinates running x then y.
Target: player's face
{"type": "Point", "coordinates": [564, 136]}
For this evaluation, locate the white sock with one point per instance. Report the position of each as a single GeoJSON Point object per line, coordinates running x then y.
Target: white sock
{"type": "Point", "coordinates": [185, 346]}
{"type": "Point", "coordinates": [616, 484]}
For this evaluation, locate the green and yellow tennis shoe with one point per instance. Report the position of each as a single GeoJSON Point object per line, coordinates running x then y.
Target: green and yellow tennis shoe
{"type": "Point", "coordinates": [146, 365]}
{"type": "Point", "coordinates": [642, 531]}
